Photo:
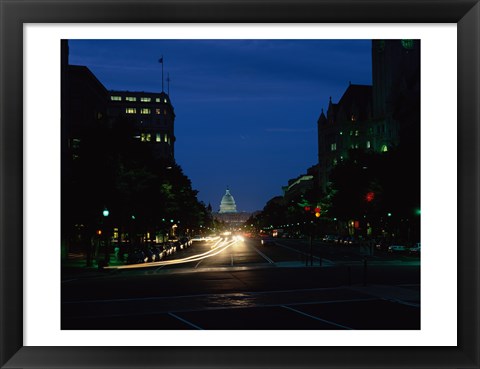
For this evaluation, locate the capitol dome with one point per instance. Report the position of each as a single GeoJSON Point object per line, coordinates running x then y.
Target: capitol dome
{"type": "Point", "coordinates": [228, 203]}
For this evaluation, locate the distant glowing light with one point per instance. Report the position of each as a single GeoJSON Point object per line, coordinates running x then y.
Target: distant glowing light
{"type": "Point", "coordinates": [370, 196]}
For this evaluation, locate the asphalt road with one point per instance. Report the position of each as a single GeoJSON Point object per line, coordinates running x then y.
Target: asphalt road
{"type": "Point", "coordinates": [245, 285]}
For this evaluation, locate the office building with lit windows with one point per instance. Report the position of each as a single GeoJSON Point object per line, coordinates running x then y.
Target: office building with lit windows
{"type": "Point", "coordinates": [378, 117]}
{"type": "Point", "coordinates": [153, 117]}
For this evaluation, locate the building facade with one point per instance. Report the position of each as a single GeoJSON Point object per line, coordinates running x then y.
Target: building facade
{"type": "Point", "coordinates": [228, 213]}
{"type": "Point", "coordinates": [153, 117]}
{"type": "Point", "coordinates": [227, 205]}
{"type": "Point", "coordinates": [378, 117]}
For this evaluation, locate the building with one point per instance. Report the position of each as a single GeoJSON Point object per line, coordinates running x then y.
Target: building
{"type": "Point", "coordinates": [228, 213]}
{"type": "Point", "coordinates": [299, 186]}
{"type": "Point", "coordinates": [227, 205]}
{"type": "Point", "coordinates": [153, 117]}
{"type": "Point", "coordinates": [347, 126]}
{"type": "Point", "coordinates": [378, 117]}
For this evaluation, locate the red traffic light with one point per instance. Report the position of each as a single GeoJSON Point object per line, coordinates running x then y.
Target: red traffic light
{"type": "Point", "coordinates": [317, 210]}
{"type": "Point", "coordinates": [370, 196]}
{"type": "Point", "coordinates": [307, 208]}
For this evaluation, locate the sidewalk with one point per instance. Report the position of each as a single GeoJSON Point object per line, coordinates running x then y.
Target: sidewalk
{"type": "Point", "coordinates": [75, 265]}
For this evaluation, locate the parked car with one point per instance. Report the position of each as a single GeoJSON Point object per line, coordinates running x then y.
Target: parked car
{"type": "Point", "coordinates": [397, 248]}
{"type": "Point", "coordinates": [167, 248]}
{"type": "Point", "coordinates": [329, 238]}
{"type": "Point", "coordinates": [137, 256]}
{"type": "Point", "coordinates": [349, 240]}
{"type": "Point", "coordinates": [157, 253]}
{"type": "Point", "coordinates": [267, 241]}
{"type": "Point", "coordinates": [415, 250]}
{"type": "Point", "coordinates": [185, 242]}
{"type": "Point", "coordinates": [381, 245]}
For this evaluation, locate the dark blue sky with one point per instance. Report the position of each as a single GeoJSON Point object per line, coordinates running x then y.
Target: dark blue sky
{"type": "Point", "coordinates": [246, 110]}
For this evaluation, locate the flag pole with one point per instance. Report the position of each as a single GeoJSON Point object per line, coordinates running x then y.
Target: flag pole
{"type": "Point", "coordinates": [162, 72]}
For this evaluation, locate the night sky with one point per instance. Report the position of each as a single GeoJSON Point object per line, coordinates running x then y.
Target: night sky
{"type": "Point", "coordinates": [246, 110]}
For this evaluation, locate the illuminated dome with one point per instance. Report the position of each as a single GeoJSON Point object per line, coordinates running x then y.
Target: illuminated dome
{"type": "Point", "coordinates": [228, 203]}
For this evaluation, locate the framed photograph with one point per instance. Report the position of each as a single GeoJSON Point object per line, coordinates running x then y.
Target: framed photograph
{"type": "Point", "coordinates": [123, 247]}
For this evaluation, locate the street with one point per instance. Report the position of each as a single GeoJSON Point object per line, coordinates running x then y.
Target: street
{"type": "Point", "coordinates": [242, 284]}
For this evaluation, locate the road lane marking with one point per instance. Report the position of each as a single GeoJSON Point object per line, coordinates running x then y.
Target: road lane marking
{"type": "Point", "coordinates": [185, 321]}
{"type": "Point", "coordinates": [402, 302]}
{"type": "Point", "coordinates": [263, 255]}
{"type": "Point", "coordinates": [196, 266]}
{"type": "Point", "coordinates": [316, 318]}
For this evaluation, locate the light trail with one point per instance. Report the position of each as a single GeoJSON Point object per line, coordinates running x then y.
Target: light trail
{"type": "Point", "coordinates": [219, 246]}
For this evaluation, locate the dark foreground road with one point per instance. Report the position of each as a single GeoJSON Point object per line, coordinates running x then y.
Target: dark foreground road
{"type": "Point", "coordinates": [247, 287]}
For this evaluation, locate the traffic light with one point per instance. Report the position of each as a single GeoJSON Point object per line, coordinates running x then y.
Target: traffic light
{"type": "Point", "coordinates": [315, 211]}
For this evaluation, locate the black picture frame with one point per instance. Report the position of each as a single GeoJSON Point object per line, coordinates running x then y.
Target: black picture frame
{"type": "Point", "coordinates": [15, 13]}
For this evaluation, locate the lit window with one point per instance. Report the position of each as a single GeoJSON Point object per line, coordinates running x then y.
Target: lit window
{"type": "Point", "coordinates": [368, 144]}
{"type": "Point", "coordinates": [335, 161]}
{"type": "Point", "coordinates": [158, 137]}
{"type": "Point", "coordinates": [356, 146]}
{"type": "Point", "coordinates": [164, 100]}
{"type": "Point", "coordinates": [145, 99]}
{"type": "Point", "coordinates": [131, 110]}
{"type": "Point", "coordinates": [341, 133]}
{"type": "Point", "coordinates": [166, 138]}
{"type": "Point", "coordinates": [353, 118]}
{"type": "Point", "coordinates": [146, 137]}
{"type": "Point", "coordinates": [157, 111]}
{"type": "Point", "coordinates": [333, 146]}
{"type": "Point", "coordinates": [351, 133]}
{"type": "Point", "coordinates": [169, 140]}
{"type": "Point", "coordinates": [116, 98]}
{"type": "Point", "coordinates": [356, 133]}
{"type": "Point", "coordinates": [145, 111]}
{"type": "Point", "coordinates": [384, 148]}
{"type": "Point", "coordinates": [157, 99]}
{"type": "Point", "coordinates": [75, 143]}
{"type": "Point", "coordinates": [131, 98]}
{"type": "Point", "coordinates": [407, 44]}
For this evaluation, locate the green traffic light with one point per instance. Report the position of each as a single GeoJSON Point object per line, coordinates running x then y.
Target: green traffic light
{"type": "Point", "coordinates": [106, 213]}
{"type": "Point", "coordinates": [389, 214]}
